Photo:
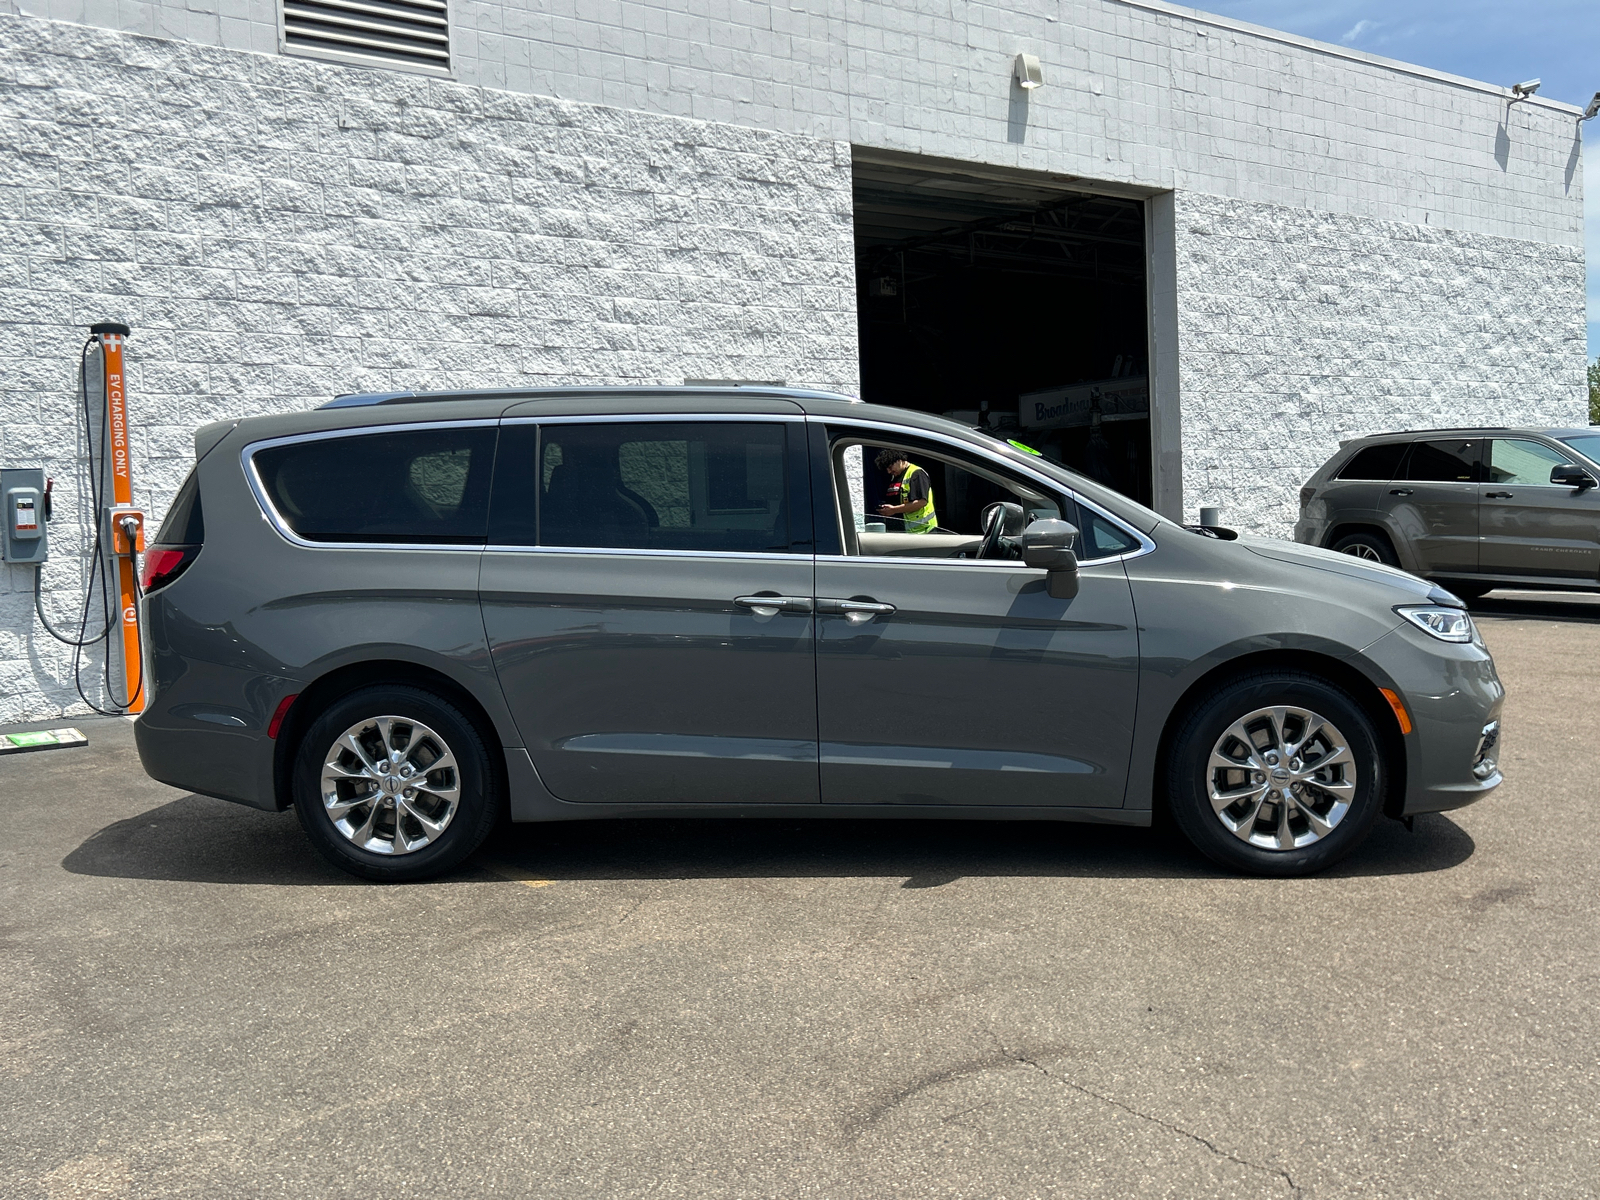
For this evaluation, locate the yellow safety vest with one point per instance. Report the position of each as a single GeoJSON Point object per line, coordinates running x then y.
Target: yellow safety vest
{"type": "Point", "coordinates": [917, 520]}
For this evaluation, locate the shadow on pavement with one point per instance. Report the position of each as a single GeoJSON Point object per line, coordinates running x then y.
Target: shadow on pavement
{"type": "Point", "coordinates": [207, 841]}
{"type": "Point", "coordinates": [1540, 606]}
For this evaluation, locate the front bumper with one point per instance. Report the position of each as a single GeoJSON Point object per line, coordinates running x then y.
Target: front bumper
{"type": "Point", "coordinates": [1452, 694]}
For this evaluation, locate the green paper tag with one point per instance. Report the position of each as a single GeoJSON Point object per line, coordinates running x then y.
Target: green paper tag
{"type": "Point", "coordinates": [1020, 446]}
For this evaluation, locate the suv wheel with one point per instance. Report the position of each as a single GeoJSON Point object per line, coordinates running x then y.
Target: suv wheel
{"type": "Point", "coordinates": [1373, 547]}
{"type": "Point", "coordinates": [1277, 774]}
{"type": "Point", "coordinates": [394, 783]}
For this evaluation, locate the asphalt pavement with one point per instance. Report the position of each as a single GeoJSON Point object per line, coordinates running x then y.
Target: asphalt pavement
{"type": "Point", "coordinates": [193, 1004]}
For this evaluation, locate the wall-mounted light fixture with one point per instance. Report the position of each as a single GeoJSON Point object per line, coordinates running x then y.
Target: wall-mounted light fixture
{"type": "Point", "coordinates": [1525, 89]}
{"type": "Point", "coordinates": [1027, 71]}
{"type": "Point", "coordinates": [1593, 109]}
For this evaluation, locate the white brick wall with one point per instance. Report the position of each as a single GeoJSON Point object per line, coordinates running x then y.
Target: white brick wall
{"type": "Point", "coordinates": [1298, 329]}
{"type": "Point", "coordinates": [1136, 92]}
{"type": "Point", "coordinates": [277, 231]}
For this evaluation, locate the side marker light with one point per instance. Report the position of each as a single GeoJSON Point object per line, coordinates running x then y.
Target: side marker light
{"type": "Point", "coordinates": [277, 717]}
{"type": "Point", "coordinates": [1400, 713]}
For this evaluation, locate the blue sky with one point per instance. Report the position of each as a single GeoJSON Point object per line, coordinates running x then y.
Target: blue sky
{"type": "Point", "coordinates": [1499, 41]}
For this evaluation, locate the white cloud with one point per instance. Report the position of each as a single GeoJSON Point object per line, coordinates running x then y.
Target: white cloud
{"type": "Point", "coordinates": [1360, 28]}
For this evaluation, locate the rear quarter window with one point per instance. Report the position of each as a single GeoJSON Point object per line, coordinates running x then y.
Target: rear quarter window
{"type": "Point", "coordinates": [1379, 462]}
{"type": "Point", "coordinates": [418, 486]}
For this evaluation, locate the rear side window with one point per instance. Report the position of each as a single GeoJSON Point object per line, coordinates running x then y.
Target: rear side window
{"type": "Point", "coordinates": [1445, 461]}
{"type": "Point", "coordinates": [418, 486]}
{"type": "Point", "coordinates": [1375, 462]}
{"type": "Point", "coordinates": [688, 485]}
{"type": "Point", "coordinates": [184, 525]}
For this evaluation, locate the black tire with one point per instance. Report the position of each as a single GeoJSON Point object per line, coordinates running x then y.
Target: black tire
{"type": "Point", "coordinates": [1374, 547]}
{"type": "Point", "coordinates": [1468, 591]}
{"type": "Point", "coordinates": [477, 785]}
{"type": "Point", "coordinates": [1190, 775]}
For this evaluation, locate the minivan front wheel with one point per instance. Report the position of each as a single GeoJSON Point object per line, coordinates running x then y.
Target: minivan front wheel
{"type": "Point", "coordinates": [394, 783]}
{"type": "Point", "coordinates": [1276, 773]}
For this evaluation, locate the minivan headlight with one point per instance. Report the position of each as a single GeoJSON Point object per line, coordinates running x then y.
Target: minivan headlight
{"type": "Point", "coordinates": [1446, 624]}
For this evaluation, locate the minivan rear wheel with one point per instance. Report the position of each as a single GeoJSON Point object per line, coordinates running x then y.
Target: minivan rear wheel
{"type": "Point", "coordinates": [394, 783]}
{"type": "Point", "coordinates": [1276, 773]}
{"type": "Point", "coordinates": [1373, 547]}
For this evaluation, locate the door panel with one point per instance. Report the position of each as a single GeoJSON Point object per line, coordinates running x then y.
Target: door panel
{"type": "Point", "coordinates": [978, 689]}
{"type": "Point", "coordinates": [1433, 504]}
{"type": "Point", "coordinates": [1530, 526]}
{"type": "Point", "coordinates": [638, 678]}
{"type": "Point", "coordinates": [619, 554]}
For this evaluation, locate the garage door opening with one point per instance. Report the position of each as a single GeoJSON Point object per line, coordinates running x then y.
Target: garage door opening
{"type": "Point", "coordinates": [1017, 303]}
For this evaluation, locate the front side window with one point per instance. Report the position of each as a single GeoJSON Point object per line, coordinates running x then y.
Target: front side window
{"type": "Point", "coordinates": [690, 485]}
{"type": "Point", "coordinates": [1524, 463]}
{"type": "Point", "coordinates": [910, 499]}
{"type": "Point", "coordinates": [1445, 461]}
{"type": "Point", "coordinates": [418, 486]}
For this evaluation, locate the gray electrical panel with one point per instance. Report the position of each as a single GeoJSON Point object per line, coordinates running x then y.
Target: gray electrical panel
{"type": "Point", "coordinates": [23, 537]}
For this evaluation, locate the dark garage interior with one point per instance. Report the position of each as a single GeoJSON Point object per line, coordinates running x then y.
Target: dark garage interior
{"type": "Point", "coordinates": [973, 292]}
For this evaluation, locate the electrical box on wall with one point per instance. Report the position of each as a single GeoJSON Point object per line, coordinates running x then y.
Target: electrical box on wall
{"type": "Point", "coordinates": [23, 537]}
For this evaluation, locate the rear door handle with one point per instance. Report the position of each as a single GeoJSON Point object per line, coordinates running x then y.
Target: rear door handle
{"type": "Point", "coordinates": [770, 604]}
{"type": "Point", "coordinates": [1399, 491]}
{"type": "Point", "coordinates": [857, 612]}
{"type": "Point", "coordinates": [1497, 495]}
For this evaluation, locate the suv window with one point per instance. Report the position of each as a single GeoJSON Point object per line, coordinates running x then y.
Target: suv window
{"type": "Point", "coordinates": [1375, 462]}
{"type": "Point", "coordinates": [684, 485]}
{"type": "Point", "coordinates": [411, 486]}
{"type": "Point", "coordinates": [1525, 463]}
{"type": "Point", "coordinates": [1453, 460]}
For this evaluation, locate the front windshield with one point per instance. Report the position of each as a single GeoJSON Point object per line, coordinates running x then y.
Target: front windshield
{"type": "Point", "coordinates": [1123, 506]}
{"type": "Point", "coordinates": [1586, 444]}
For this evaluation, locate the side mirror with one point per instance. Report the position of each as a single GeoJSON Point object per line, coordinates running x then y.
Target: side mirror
{"type": "Point", "coordinates": [1567, 475]}
{"type": "Point", "coordinates": [1048, 543]}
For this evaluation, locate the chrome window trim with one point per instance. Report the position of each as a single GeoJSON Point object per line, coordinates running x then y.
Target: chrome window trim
{"type": "Point", "coordinates": [641, 552]}
{"type": "Point", "coordinates": [653, 418]}
{"type": "Point", "coordinates": [270, 513]}
{"type": "Point", "coordinates": [1146, 545]}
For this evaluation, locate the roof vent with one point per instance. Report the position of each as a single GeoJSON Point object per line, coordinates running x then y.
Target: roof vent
{"type": "Point", "coordinates": [413, 35]}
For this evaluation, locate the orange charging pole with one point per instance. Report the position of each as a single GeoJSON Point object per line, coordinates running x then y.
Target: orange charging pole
{"type": "Point", "coordinates": [126, 523]}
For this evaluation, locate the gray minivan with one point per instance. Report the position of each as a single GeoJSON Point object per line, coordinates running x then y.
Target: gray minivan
{"type": "Point", "coordinates": [406, 615]}
{"type": "Point", "coordinates": [1475, 509]}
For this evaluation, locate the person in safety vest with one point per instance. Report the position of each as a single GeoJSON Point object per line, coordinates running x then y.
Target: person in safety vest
{"type": "Point", "coordinates": [910, 493]}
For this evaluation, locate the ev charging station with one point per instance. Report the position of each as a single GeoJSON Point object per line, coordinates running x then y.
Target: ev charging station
{"type": "Point", "coordinates": [116, 535]}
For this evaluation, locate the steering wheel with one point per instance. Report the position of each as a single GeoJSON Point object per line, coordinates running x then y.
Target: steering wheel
{"type": "Point", "coordinates": [996, 517]}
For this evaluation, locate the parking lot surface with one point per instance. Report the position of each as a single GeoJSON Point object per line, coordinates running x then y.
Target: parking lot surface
{"type": "Point", "coordinates": [193, 1004]}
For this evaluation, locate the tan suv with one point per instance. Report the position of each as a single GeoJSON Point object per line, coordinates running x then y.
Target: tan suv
{"type": "Point", "coordinates": [1475, 509]}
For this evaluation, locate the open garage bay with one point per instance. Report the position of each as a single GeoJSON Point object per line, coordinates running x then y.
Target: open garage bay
{"type": "Point", "coordinates": [193, 1004]}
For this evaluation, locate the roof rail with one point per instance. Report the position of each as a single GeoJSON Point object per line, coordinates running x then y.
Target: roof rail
{"type": "Point", "coordinates": [362, 399]}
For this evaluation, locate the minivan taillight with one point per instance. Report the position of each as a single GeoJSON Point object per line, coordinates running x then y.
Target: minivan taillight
{"type": "Point", "coordinates": [163, 564]}
{"type": "Point", "coordinates": [1306, 495]}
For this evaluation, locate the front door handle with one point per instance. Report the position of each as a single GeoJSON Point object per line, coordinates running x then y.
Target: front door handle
{"type": "Point", "coordinates": [770, 604]}
{"type": "Point", "coordinates": [1399, 491]}
{"type": "Point", "coordinates": [1497, 495]}
{"type": "Point", "coordinates": [857, 612]}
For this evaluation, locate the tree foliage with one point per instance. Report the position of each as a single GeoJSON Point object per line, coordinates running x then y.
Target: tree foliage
{"type": "Point", "coordinates": [1594, 392]}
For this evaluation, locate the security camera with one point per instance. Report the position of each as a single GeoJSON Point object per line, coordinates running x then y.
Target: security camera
{"type": "Point", "coordinates": [1523, 90]}
{"type": "Point", "coordinates": [1593, 109]}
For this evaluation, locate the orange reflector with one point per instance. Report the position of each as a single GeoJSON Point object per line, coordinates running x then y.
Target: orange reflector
{"type": "Point", "coordinates": [283, 711]}
{"type": "Point", "coordinates": [1400, 713]}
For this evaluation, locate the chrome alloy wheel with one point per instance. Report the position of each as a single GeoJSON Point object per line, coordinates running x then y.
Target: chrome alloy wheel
{"type": "Point", "coordinates": [390, 785]}
{"type": "Point", "coordinates": [1281, 778]}
{"type": "Point", "coordinates": [1362, 550]}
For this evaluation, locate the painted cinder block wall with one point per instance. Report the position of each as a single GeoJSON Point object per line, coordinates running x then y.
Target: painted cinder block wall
{"type": "Point", "coordinates": [278, 231]}
{"type": "Point", "coordinates": [645, 193]}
